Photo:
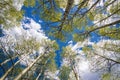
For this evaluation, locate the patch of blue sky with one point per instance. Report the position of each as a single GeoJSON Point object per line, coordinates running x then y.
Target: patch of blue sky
{"type": "Point", "coordinates": [102, 10]}
{"type": "Point", "coordinates": [118, 25]}
{"type": "Point", "coordinates": [2, 56]}
{"type": "Point", "coordinates": [94, 37]}
{"type": "Point", "coordinates": [89, 22]}
{"type": "Point", "coordinates": [2, 71]}
{"type": "Point", "coordinates": [62, 44]}
{"type": "Point", "coordinates": [1, 33]}
{"type": "Point", "coordinates": [73, 9]}
{"type": "Point", "coordinates": [47, 25]}
{"type": "Point", "coordinates": [80, 12]}
{"type": "Point", "coordinates": [29, 12]}
{"type": "Point", "coordinates": [7, 65]}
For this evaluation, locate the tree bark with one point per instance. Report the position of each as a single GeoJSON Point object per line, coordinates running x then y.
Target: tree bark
{"type": "Point", "coordinates": [66, 13]}
{"type": "Point", "coordinates": [104, 26]}
{"type": "Point", "coordinates": [28, 68]}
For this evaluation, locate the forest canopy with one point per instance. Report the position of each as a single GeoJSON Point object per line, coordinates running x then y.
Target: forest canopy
{"type": "Point", "coordinates": [59, 39]}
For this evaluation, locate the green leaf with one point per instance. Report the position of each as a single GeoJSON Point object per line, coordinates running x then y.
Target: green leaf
{"type": "Point", "coordinates": [29, 3]}
{"type": "Point", "coordinates": [90, 16]}
{"type": "Point", "coordinates": [51, 65]}
{"type": "Point", "coordinates": [64, 73]}
{"type": "Point", "coordinates": [106, 76]}
{"type": "Point", "coordinates": [78, 37]}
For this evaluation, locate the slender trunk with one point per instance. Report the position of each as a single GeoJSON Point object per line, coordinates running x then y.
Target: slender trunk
{"type": "Point", "coordinates": [118, 62]}
{"type": "Point", "coordinates": [28, 68]}
{"type": "Point", "coordinates": [104, 26]}
{"type": "Point", "coordinates": [73, 68]}
{"type": "Point", "coordinates": [8, 60]}
{"type": "Point", "coordinates": [66, 13]}
{"type": "Point", "coordinates": [90, 8]}
{"type": "Point", "coordinates": [76, 76]}
{"type": "Point", "coordinates": [6, 73]}
{"type": "Point", "coordinates": [107, 17]}
{"type": "Point", "coordinates": [37, 78]}
{"type": "Point", "coordinates": [8, 54]}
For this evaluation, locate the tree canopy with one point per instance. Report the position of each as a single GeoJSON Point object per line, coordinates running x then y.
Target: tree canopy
{"type": "Point", "coordinates": [24, 56]}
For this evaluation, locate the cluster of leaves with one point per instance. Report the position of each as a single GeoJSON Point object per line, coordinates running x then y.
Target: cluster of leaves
{"type": "Point", "coordinates": [27, 46]}
{"type": "Point", "coordinates": [29, 3]}
{"type": "Point", "coordinates": [64, 73]}
{"type": "Point", "coordinates": [9, 15]}
{"type": "Point", "coordinates": [110, 32]}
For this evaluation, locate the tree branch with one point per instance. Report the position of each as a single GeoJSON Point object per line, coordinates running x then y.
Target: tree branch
{"type": "Point", "coordinates": [65, 15]}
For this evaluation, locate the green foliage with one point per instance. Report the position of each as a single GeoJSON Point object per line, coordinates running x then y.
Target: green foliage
{"type": "Point", "coordinates": [115, 7]}
{"type": "Point", "coordinates": [61, 3]}
{"type": "Point", "coordinates": [86, 49]}
{"type": "Point", "coordinates": [79, 22]}
{"type": "Point", "coordinates": [107, 2]}
{"type": "Point", "coordinates": [106, 76]}
{"type": "Point", "coordinates": [50, 44]}
{"type": "Point", "coordinates": [51, 65]}
{"type": "Point", "coordinates": [90, 16]}
{"type": "Point", "coordinates": [64, 73]}
{"type": "Point", "coordinates": [115, 47]}
{"type": "Point", "coordinates": [50, 15]}
{"type": "Point", "coordinates": [55, 46]}
{"type": "Point", "coordinates": [67, 28]}
{"type": "Point", "coordinates": [79, 37]}
{"type": "Point", "coordinates": [98, 16]}
{"type": "Point", "coordinates": [67, 52]}
{"type": "Point", "coordinates": [9, 15]}
{"type": "Point", "coordinates": [59, 35]}
{"type": "Point", "coordinates": [51, 12]}
{"type": "Point", "coordinates": [110, 32]}
{"type": "Point", "coordinates": [27, 46]}
{"type": "Point", "coordinates": [29, 3]}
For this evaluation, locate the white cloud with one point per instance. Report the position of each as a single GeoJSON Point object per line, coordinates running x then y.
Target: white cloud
{"type": "Point", "coordinates": [34, 31]}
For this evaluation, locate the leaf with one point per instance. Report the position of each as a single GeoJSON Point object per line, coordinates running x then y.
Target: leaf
{"type": "Point", "coordinates": [106, 76]}
{"type": "Point", "coordinates": [78, 37]}
{"type": "Point", "coordinates": [64, 73]}
{"type": "Point", "coordinates": [51, 65]}
{"type": "Point", "coordinates": [29, 3]}
{"type": "Point", "coordinates": [90, 16]}
{"type": "Point", "coordinates": [67, 28]}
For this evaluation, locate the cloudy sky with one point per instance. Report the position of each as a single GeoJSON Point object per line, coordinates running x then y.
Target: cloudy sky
{"type": "Point", "coordinates": [33, 26]}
